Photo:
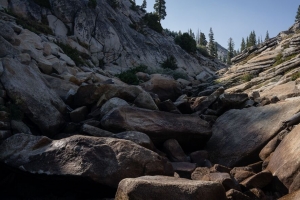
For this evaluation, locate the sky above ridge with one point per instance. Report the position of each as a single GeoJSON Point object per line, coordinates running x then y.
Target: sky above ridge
{"type": "Point", "coordinates": [230, 18]}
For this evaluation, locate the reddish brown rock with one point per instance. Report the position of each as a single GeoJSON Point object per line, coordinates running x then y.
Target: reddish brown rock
{"type": "Point", "coordinates": [236, 195]}
{"type": "Point", "coordinates": [184, 169]}
{"type": "Point", "coordinates": [199, 173]}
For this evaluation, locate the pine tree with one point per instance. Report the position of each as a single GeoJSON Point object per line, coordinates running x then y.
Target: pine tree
{"type": "Point", "coordinates": [211, 43]}
{"type": "Point", "coordinates": [230, 53]}
{"type": "Point", "coordinates": [224, 59]}
{"type": "Point", "coordinates": [267, 36]}
{"type": "Point", "coordinates": [202, 39]}
{"type": "Point", "coordinates": [298, 14]}
{"type": "Point", "coordinates": [247, 42]}
{"type": "Point", "coordinates": [144, 5]}
{"type": "Point", "coordinates": [252, 39]}
{"type": "Point", "coordinates": [216, 50]}
{"type": "Point", "coordinates": [243, 45]}
{"type": "Point", "coordinates": [160, 9]}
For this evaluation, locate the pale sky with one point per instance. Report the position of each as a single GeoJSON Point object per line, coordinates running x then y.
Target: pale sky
{"type": "Point", "coordinates": [229, 18]}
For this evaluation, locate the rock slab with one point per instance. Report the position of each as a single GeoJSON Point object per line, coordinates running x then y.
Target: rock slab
{"type": "Point", "coordinates": [239, 135]}
{"type": "Point", "coordinates": [160, 187]}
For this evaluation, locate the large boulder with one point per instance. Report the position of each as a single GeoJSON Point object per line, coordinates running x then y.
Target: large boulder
{"type": "Point", "coordinates": [159, 126]}
{"type": "Point", "coordinates": [165, 87]}
{"type": "Point", "coordinates": [160, 187]}
{"type": "Point", "coordinates": [104, 160]}
{"type": "Point", "coordinates": [27, 88]}
{"type": "Point", "coordinates": [284, 162]}
{"type": "Point", "coordinates": [292, 196]}
{"type": "Point", "coordinates": [239, 135]}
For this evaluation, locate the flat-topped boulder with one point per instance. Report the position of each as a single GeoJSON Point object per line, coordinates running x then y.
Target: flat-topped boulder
{"type": "Point", "coordinates": [104, 160]}
{"type": "Point", "coordinates": [161, 187]}
{"type": "Point", "coordinates": [159, 126]}
{"type": "Point", "coordinates": [239, 135]}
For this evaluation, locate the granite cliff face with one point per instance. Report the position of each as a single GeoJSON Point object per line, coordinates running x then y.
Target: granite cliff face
{"type": "Point", "coordinates": [106, 34]}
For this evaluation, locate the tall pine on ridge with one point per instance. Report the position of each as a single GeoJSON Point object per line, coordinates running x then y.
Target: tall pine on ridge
{"type": "Point", "coordinates": [230, 53]}
{"type": "Point", "coordinates": [160, 9]}
{"type": "Point", "coordinates": [243, 45]}
{"type": "Point", "coordinates": [298, 14]}
{"type": "Point", "coordinates": [211, 43]}
{"type": "Point", "coordinates": [267, 36]}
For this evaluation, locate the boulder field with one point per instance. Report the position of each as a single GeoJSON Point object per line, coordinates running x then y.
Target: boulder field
{"type": "Point", "coordinates": [71, 129]}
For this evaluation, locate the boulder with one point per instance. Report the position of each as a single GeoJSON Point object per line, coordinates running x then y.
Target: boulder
{"type": "Point", "coordinates": [239, 135]}
{"type": "Point", "coordinates": [94, 131]}
{"type": "Point", "coordinates": [159, 126]}
{"type": "Point", "coordinates": [90, 94]}
{"type": "Point", "coordinates": [112, 104]}
{"type": "Point", "coordinates": [284, 161]}
{"type": "Point", "coordinates": [104, 160]}
{"type": "Point", "coordinates": [159, 187]}
{"type": "Point", "coordinates": [165, 87]}
{"type": "Point", "coordinates": [168, 106]}
{"type": "Point", "coordinates": [174, 151]}
{"type": "Point", "coordinates": [144, 100]}
{"type": "Point", "coordinates": [19, 127]}
{"type": "Point", "coordinates": [204, 104]}
{"type": "Point", "coordinates": [259, 180]}
{"type": "Point", "coordinates": [137, 137]}
{"type": "Point", "coordinates": [61, 87]}
{"type": "Point", "coordinates": [26, 87]}
{"type": "Point", "coordinates": [6, 48]}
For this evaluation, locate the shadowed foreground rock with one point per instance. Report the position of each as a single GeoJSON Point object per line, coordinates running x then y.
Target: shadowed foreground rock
{"type": "Point", "coordinates": [160, 187]}
{"type": "Point", "coordinates": [159, 126]}
{"type": "Point", "coordinates": [239, 135]}
{"type": "Point", "coordinates": [104, 160]}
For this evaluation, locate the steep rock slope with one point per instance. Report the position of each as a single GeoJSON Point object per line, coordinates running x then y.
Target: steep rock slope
{"type": "Point", "coordinates": [114, 34]}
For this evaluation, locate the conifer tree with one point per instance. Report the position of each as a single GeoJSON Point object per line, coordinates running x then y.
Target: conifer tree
{"type": "Point", "coordinates": [211, 43]}
{"type": "Point", "coordinates": [216, 50]}
{"type": "Point", "coordinates": [267, 36]}
{"type": "Point", "coordinates": [230, 53]}
{"type": "Point", "coordinates": [298, 14]}
{"type": "Point", "coordinates": [243, 45]}
{"type": "Point", "coordinates": [202, 39]}
{"type": "Point", "coordinates": [144, 5]}
{"type": "Point", "coordinates": [160, 9]}
{"type": "Point", "coordinates": [247, 42]}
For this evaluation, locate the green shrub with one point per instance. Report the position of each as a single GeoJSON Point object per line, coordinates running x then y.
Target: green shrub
{"type": "Point", "coordinates": [74, 54]}
{"type": "Point", "coordinates": [92, 3]}
{"type": "Point", "coordinates": [129, 76]}
{"type": "Point", "coordinates": [113, 3]}
{"type": "Point", "coordinates": [177, 75]}
{"type": "Point", "coordinates": [295, 76]}
{"type": "Point", "coordinates": [186, 42]}
{"type": "Point", "coordinates": [247, 77]}
{"type": "Point", "coordinates": [152, 21]}
{"type": "Point", "coordinates": [169, 63]}
{"type": "Point", "coordinates": [279, 59]}
{"type": "Point", "coordinates": [203, 50]}
{"type": "Point", "coordinates": [133, 5]}
{"type": "Point", "coordinates": [43, 3]}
